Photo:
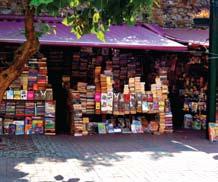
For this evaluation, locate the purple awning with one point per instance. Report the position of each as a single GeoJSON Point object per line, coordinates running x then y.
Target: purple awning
{"type": "Point", "coordinates": [183, 35]}
{"type": "Point", "coordinates": [123, 36]}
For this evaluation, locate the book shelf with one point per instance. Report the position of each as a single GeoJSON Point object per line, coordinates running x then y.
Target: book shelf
{"type": "Point", "coordinates": [108, 95]}
{"type": "Point", "coordinates": [28, 106]}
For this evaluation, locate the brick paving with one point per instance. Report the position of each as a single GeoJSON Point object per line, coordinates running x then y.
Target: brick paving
{"type": "Point", "coordinates": [182, 157]}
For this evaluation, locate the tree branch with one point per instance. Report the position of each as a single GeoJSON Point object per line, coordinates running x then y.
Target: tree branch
{"type": "Point", "coordinates": [23, 53]}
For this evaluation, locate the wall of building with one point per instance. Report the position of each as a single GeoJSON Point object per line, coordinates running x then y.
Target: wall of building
{"type": "Point", "coordinates": [11, 7]}
{"type": "Point", "coordinates": [179, 13]}
{"type": "Point", "coordinates": [170, 13]}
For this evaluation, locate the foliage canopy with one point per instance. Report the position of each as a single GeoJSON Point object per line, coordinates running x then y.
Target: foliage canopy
{"type": "Point", "coordinates": [92, 16]}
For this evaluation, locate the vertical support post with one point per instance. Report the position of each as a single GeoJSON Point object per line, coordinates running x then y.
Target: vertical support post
{"type": "Point", "coordinates": [213, 61]}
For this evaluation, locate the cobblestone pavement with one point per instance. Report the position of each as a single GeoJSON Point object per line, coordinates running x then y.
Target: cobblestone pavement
{"type": "Point", "coordinates": [181, 157]}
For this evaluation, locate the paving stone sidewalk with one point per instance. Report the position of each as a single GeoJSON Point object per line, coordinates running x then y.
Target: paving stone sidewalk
{"type": "Point", "coordinates": [181, 156]}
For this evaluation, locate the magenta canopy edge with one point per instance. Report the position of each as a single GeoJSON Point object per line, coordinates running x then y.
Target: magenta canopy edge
{"type": "Point", "coordinates": [119, 36]}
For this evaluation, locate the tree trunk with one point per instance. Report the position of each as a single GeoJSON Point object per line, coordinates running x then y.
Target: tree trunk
{"type": "Point", "coordinates": [22, 54]}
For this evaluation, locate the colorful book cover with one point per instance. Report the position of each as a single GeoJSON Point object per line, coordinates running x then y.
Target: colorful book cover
{"type": "Point", "coordinates": [38, 125]}
{"type": "Point", "coordinates": [28, 126]}
{"type": "Point", "coordinates": [37, 95]}
{"type": "Point", "coordinates": [136, 126]}
{"type": "Point", "coordinates": [12, 129]}
{"type": "Point", "coordinates": [19, 127]}
{"type": "Point", "coordinates": [109, 102]}
{"type": "Point", "coordinates": [17, 94]}
{"type": "Point", "coordinates": [10, 94]}
{"type": "Point", "coordinates": [139, 102]}
{"type": "Point", "coordinates": [104, 102]}
{"type": "Point", "coordinates": [49, 123]}
{"type": "Point", "coordinates": [30, 95]}
{"type": "Point", "coordinates": [43, 94]}
{"type": "Point", "coordinates": [50, 108]}
{"type": "Point", "coordinates": [121, 106]}
{"type": "Point", "coordinates": [110, 128]}
{"type": "Point", "coordinates": [101, 128]}
{"type": "Point", "coordinates": [49, 94]}
{"type": "Point", "coordinates": [213, 132]}
{"type": "Point", "coordinates": [23, 94]}
{"type": "Point", "coordinates": [132, 103]}
{"type": "Point", "coordinates": [7, 122]}
{"type": "Point", "coordinates": [116, 104]}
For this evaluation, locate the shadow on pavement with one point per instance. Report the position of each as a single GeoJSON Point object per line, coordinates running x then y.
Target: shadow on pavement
{"type": "Point", "coordinates": [19, 155]}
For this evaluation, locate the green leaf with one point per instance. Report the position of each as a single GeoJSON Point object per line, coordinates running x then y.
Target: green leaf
{"type": "Point", "coordinates": [74, 3]}
{"type": "Point", "coordinates": [96, 17]}
{"type": "Point", "coordinates": [65, 21]}
{"type": "Point", "coordinates": [37, 3]}
{"type": "Point", "coordinates": [100, 35]}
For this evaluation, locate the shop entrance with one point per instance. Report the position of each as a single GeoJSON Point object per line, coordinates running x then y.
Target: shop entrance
{"type": "Point", "coordinates": [59, 64]}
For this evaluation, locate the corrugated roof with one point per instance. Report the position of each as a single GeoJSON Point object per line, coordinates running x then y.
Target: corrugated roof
{"type": "Point", "coordinates": [123, 36]}
{"type": "Point", "coordinates": [189, 36]}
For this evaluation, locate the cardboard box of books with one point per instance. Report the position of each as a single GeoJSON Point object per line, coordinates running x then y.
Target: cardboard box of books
{"type": "Point", "coordinates": [213, 132]}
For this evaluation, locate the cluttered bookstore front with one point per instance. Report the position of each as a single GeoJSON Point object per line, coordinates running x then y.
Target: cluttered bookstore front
{"type": "Point", "coordinates": [85, 90]}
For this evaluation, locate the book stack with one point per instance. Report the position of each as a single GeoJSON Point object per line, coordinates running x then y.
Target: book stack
{"type": "Point", "coordinates": [75, 67]}
{"type": "Point", "coordinates": [16, 84]}
{"type": "Point", "coordinates": [2, 108]}
{"type": "Point", "coordinates": [24, 79]}
{"type": "Point", "coordinates": [109, 65]}
{"type": "Point", "coordinates": [168, 122]}
{"type": "Point", "coordinates": [126, 93]}
{"type": "Point", "coordinates": [40, 108]}
{"type": "Point", "coordinates": [116, 72]}
{"type": "Point", "coordinates": [90, 99]}
{"type": "Point", "coordinates": [77, 120]}
{"type": "Point", "coordinates": [42, 79]}
{"type": "Point", "coordinates": [83, 67]}
{"type": "Point", "coordinates": [82, 88]}
{"type": "Point", "coordinates": [10, 108]}
{"type": "Point", "coordinates": [162, 125]}
{"type": "Point", "coordinates": [131, 66]}
{"type": "Point", "coordinates": [20, 108]}
{"type": "Point", "coordinates": [106, 81]}
{"type": "Point", "coordinates": [76, 113]}
{"type": "Point", "coordinates": [97, 78]}
{"type": "Point", "coordinates": [132, 85]}
{"type": "Point", "coordinates": [103, 83]}
{"type": "Point", "coordinates": [29, 108]}
{"type": "Point", "coordinates": [85, 125]}
{"type": "Point", "coordinates": [97, 103]}
{"type": "Point", "coordinates": [32, 73]}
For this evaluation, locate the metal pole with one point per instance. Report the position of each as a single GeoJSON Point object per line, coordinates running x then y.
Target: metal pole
{"type": "Point", "coordinates": [213, 62]}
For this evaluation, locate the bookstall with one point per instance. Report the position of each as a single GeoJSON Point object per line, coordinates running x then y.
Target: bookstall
{"type": "Point", "coordinates": [108, 94]}
{"type": "Point", "coordinates": [28, 106]}
{"type": "Point", "coordinates": [194, 92]}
